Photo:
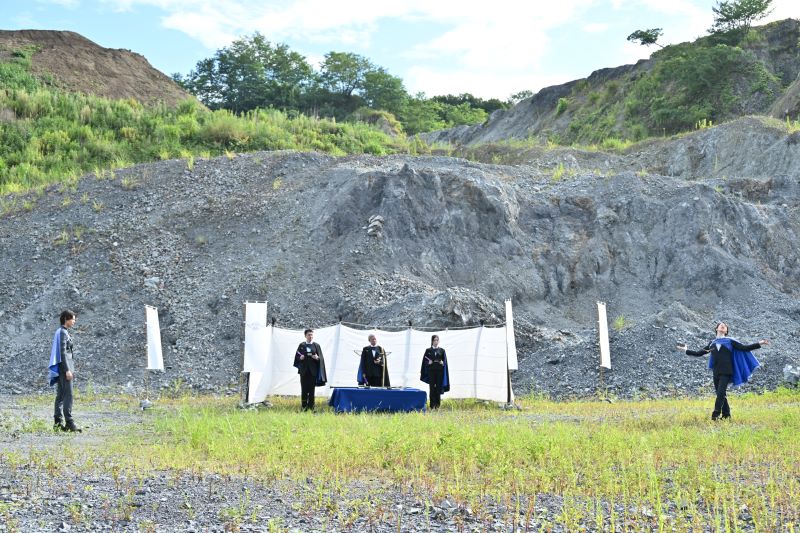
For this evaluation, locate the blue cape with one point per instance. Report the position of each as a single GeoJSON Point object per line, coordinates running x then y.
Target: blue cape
{"type": "Point", "coordinates": [424, 375]}
{"type": "Point", "coordinates": [55, 358]}
{"type": "Point", "coordinates": [743, 362]}
{"type": "Point", "coordinates": [360, 375]}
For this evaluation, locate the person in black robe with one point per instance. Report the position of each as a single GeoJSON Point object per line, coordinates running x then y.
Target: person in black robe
{"type": "Point", "coordinates": [373, 370]}
{"type": "Point", "coordinates": [731, 362]}
{"type": "Point", "coordinates": [311, 366]}
{"type": "Point", "coordinates": [435, 372]}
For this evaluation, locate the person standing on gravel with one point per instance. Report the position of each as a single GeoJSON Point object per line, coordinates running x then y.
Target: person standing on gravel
{"type": "Point", "coordinates": [731, 361]}
{"type": "Point", "coordinates": [311, 366]}
{"type": "Point", "coordinates": [62, 372]}
{"type": "Point", "coordinates": [372, 370]}
{"type": "Point", "coordinates": [434, 372]}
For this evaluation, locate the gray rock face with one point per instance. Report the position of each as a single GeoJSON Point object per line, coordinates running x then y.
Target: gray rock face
{"type": "Point", "coordinates": [668, 255]}
{"type": "Point", "coordinates": [791, 375]}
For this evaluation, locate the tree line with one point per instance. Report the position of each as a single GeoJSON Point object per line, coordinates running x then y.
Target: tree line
{"type": "Point", "coordinates": [254, 73]}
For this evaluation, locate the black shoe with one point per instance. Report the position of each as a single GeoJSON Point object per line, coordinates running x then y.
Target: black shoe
{"type": "Point", "coordinates": [72, 428]}
{"type": "Point", "coordinates": [58, 426]}
{"type": "Point", "coordinates": [726, 417]}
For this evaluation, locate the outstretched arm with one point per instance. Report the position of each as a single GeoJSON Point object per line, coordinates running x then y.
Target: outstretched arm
{"type": "Point", "coordinates": [694, 353]}
{"type": "Point", "coordinates": [749, 347]}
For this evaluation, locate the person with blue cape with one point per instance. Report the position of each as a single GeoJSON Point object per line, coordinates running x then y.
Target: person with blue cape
{"type": "Point", "coordinates": [310, 365]}
{"type": "Point", "coordinates": [61, 371]}
{"type": "Point", "coordinates": [731, 361]}
{"type": "Point", "coordinates": [435, 372]}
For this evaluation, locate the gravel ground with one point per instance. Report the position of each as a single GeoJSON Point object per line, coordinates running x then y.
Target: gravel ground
{"type": "Point", "coordinates": [62, 482]}
{"type": "Point", "coordinates": [57, 482]}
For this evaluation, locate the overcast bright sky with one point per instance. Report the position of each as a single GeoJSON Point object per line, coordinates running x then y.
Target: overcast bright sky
{"type": "Point", "coordinates": [490, 49]}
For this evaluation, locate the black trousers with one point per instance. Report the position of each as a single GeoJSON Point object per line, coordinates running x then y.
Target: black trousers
{"type": "Point", "coordinates": [63, 400]}
{"type": "Point", "coordinates": [721, 404]}
{"type": "Point", "coordinates": [435, 372]}
{"type": "Point", "coordinates": [308, 384]}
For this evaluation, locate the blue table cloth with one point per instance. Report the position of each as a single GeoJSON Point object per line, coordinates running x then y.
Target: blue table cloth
{"type": "Point", "coordinates": [356, 399]}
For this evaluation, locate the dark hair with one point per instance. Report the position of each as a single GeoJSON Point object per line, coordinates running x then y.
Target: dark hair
{"type": "Point", "coordinates": [434, 337]}
{"type": "Point", "coordinates": [306, 332]}
{"type": "Point", "coordinates": [727, 327]}
{"type": "Point", "coordinates": [66, 315]}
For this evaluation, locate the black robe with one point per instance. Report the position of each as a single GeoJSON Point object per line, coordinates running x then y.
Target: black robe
{"type": "Point", "coordinates": [310, 365]}
{"type": "Point", "coordinates": [373, 370]}
{"type": "Point", "coordinates": [430, 370]}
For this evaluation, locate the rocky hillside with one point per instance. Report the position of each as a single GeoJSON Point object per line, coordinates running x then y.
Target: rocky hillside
{"type": "Point", "coordinates": [76, 64]}
{"type": "Point", "coordinates": [671, 236]}
{"type": "Point", "coordinates": [708, 81]}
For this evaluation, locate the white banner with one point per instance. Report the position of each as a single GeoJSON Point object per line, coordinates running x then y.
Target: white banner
{"type": "Point", "coordinates": [602, 328]}
{"type": "Point", "coordinates": [511, 340]}
{"type": "Point", "coordinates": [256, 335]}
{"type": "Point", "coordinates": [477, 359]}
{"type": "Point", "coordinates": [155, 361]}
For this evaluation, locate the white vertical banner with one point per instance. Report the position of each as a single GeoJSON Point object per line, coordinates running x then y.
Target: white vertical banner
{"type": "Point", "coordinates": [155, 360]}
{"type": "Point", "coordinates": [602, 328]}
{"type": "Point", "coordinates": [256, 336]}
{"type": "Point", "coordinates": [257, 342]}
{"type": "Point", "coordinates": [511, 342]}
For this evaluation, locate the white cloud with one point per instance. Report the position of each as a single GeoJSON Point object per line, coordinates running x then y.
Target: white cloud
{"type": "Point", "coordinates": [784, 9]}
{"type": "Point", "coordinates": [489, 50]}
{"type": "Point", "coordinates": [595, 27]}
{"type": "Point", "coordinates": [201, 26]}
{"type": "Point", "coordinates": [69, 4]}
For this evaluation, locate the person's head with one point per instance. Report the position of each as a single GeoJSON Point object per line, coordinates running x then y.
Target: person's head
{"type": "Point", "coordinates": [435, 340]}
{"type": "Point", "coordinates": [373, 340]}
{"type": "Point", "coordinates": [721, 330]}
{"type": "Point", "coordinates": [309, 333]}
{"type": "Point", "coordinates": [67, 318]}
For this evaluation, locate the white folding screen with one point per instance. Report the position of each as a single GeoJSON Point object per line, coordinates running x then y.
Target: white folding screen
{"type": "Point", "coordinates": [477, 359]}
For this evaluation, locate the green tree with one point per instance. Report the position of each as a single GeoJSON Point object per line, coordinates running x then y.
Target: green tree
{"type": "Point", "coordinates": [519, 96]}
{"type": "Point", "coordinates": [381, 90]}
{"type": "Point", "coordinates": [421, 114]}
{"type": "Point", "coordinates": [251, 73]}
{"type": "Point", "coordinates": [646, 37]}
{"type": "Point", "coordinates": [455, 115]}
{"type": "Point", "coordinates": [738, 14]}
{"type": "Point", "coordinates": [344, 72]}
{"type": "Point", "coordinates": [473, 101]}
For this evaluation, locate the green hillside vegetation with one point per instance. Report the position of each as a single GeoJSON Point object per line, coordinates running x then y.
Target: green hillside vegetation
{"type": "Point", "coordinates": [253, 73]}
{"type": "Point", "coordinates": [688, 85]}
{"type": "Point", "coordinates": [48, 135]}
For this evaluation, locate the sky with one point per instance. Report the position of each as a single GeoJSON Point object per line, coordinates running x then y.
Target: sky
{"type": "Point", "coordinates": [491, 49]}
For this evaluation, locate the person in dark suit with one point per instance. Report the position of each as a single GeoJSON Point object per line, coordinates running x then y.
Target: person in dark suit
{"type": "Point", "coordinates": [731, 362]}
{"type": "Point", "coordinates": [373, 370]}
{"type": "Point", "coordinates": [311, 366]}
{"type": "Point", "coordinates": [435, 372]}
{"type": "Point", "coordinates": [62, 372]}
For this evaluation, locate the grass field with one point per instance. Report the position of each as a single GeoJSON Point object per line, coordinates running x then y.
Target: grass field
{"type": "Point", "coordinates": [628, 466]}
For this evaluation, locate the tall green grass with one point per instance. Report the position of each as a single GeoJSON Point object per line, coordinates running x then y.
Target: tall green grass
{"type": "Point", "coordinates": [624, 463]}
{"type": "Point", "coordinates": [48, 135]}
